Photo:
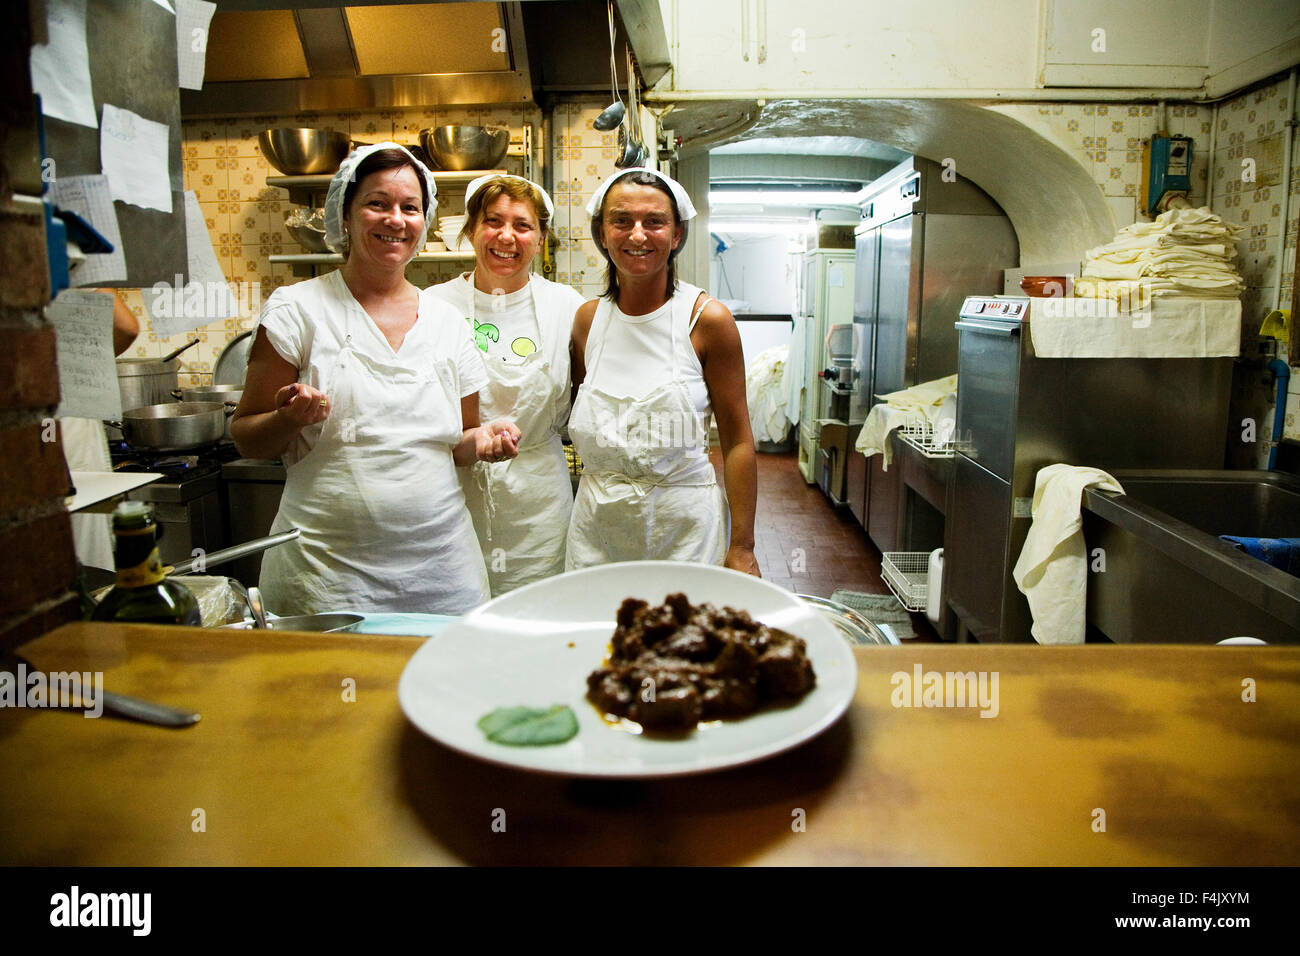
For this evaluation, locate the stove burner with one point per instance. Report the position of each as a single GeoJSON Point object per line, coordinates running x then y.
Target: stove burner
{"type": "Point", "coordinates": [193, 462]}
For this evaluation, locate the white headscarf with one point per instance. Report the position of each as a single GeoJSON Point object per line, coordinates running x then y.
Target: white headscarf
{"type": "Point", "coordinates": [685, 208]}
{"type": "Point", "coordinates": [335, 236]}
{"type": "Point", "coordinates": [482, 181]}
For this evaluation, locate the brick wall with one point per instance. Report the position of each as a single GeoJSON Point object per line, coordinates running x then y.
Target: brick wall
{"type": "Point", "coordinates": [37, 559]}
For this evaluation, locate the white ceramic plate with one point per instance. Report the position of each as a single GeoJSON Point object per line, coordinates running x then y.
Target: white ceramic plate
{"type": "Point", "coordinates": [535, 647]}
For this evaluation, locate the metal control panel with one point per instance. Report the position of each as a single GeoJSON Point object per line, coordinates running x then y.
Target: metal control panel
{"type": "Point", "coordinates": [995, 307]}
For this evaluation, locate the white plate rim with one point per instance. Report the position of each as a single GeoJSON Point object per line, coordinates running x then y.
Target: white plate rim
{"type": "Point", "coordinates": [821, 636]}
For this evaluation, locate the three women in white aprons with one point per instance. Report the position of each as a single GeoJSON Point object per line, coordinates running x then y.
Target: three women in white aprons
{"type": "Point", "coordinates": [656, 359]}
{"type": "Point", "coordinates": [521, 324]}
{"type": "Point", "coordinates": [368, 389]}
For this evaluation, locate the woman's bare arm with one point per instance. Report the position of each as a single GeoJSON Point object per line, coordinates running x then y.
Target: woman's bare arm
{"type": "Point", "coordinates": [717, 342]}
{"type": "Point", "coordinates": [275, 407]}
{"type": "Point", "coordinates": [495, 441]}
{"type": "Point", "coordinates": [578, 345]}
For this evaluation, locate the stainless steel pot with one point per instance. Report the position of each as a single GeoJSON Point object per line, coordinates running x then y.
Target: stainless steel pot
{"type": "Point", "coordinates": [228, 395]}
{"type": "Point", "coordinates": [174, 427]}
{"type": "Point", "coordinates": [210, 393]}
{"type": "Point", "coordinates": [145, 382]}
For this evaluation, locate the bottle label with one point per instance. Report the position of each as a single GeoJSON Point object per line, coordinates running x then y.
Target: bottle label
{"type": "Point", "coordinates": [147, 572]}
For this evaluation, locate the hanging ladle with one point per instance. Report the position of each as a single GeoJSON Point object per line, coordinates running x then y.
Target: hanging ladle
{"type": "Point", "coordinates": [612, 115]}
{"type": "Point", "coordinates": [634, 152]}
{"type": "Point", "coordinates": [171, 355]}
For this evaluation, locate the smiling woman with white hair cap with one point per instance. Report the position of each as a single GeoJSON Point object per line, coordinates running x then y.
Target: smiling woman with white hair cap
{"type": "Point", "coordinates": [521, 323]}
{"type": "Point", "coordinates": [368, 389]}
{"type": "Point", "coordinates": [656, 358]}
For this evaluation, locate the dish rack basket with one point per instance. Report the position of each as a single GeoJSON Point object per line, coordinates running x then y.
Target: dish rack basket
{"type": "Point", "coordinates": [907, 574]}
{"type": "Point", "coordinates": [927, 440]}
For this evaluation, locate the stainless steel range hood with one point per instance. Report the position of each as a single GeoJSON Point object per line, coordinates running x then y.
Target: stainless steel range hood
{"type": "Point", "coordinates": [281, 57]}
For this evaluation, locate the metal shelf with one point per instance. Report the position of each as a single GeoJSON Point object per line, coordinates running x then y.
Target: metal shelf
{"type": "Point", "coordinates": [306, 263]}
{"type": "Point", "coordinates": [923, 438]}
{"type": "Point", "coordinates": [907, 573]}
{"type": "Point", "coordinates": [304, 189]}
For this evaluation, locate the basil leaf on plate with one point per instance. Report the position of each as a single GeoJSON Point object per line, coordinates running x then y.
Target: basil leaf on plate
{"type": "Point", "coordinates": [527, 727]}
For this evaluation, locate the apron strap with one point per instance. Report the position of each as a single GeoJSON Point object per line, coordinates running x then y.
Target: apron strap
{"type": "Point", "coordinates": [698, 310]}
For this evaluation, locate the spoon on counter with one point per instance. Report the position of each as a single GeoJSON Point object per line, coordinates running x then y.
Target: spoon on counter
{"type": "Point", "coordinates": [119, 705]}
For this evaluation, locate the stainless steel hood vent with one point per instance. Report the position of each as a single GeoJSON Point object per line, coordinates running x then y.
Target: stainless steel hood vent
{"type": "Point", "coordinates": [304, 56]}
{"type": "Point", "coordinates": [294, 56]}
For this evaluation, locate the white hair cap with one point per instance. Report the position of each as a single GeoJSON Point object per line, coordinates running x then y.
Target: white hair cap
{"type": "Point", "coordinates": [685, 208]}
{"type": "Point", "coordinates": [335, 237]}
{"type": "Point", "coordinates": [482, 181]}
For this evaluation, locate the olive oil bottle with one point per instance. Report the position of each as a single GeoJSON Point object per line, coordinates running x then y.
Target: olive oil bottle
{"type": "Point", "coordinates": [142, 594]}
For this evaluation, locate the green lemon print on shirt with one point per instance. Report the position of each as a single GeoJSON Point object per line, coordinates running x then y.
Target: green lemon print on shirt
{"type": "Point", "coordinates": [523, 346]}
{"type": "Point", "coordinates": [484, 332]}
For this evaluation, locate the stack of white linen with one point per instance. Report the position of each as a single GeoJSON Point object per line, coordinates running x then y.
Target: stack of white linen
{"type": "Point", "coordinates": [1183, 252]}
{"type": "Point", "coordinates": [765, 392]}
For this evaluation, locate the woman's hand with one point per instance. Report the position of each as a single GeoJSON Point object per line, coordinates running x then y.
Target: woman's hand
{"type": "Point", "coordinates": [497, 441]}
{"type": "Point", "coordinates": [301, 405]}
{"type": "Point", "coordinates": [742, 559]}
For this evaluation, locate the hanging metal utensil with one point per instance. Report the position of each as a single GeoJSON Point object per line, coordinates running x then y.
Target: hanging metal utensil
{"type": "Point", "coordinates": [633, 153]}
{"type": "Point", "coordinates": [612, 115]}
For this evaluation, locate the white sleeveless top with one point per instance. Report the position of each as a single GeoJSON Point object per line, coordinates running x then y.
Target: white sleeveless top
{"type": "Point", "coordinates": [636, 354]}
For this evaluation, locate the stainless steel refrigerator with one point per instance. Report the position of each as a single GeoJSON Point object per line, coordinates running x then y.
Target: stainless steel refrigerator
{"type": "Point", "coordinates": [928, 238]}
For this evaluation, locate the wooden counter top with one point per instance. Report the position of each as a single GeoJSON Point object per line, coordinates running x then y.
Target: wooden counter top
{"type": "Point", "coordinates": [285, 771]}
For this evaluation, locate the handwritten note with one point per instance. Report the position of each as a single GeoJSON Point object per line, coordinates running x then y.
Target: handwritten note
{"type": "Point", "coordinates": [192, 18]}
{"type": "Point", "coordinates": [133, 152]}
{"type": "Point", "coordinates": [61, 68]}
{"type": "Point", "coordinates": [89, 198]}
{"type": "Point", "coordinates": [83, 327]}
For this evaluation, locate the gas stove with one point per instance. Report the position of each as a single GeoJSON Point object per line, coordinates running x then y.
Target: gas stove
{"type": "Point", "coordinates": [176, 467]}
{"type": "Point", "coordinates": [187, 501]}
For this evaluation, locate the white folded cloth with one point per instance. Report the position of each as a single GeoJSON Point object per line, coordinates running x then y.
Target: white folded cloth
{"type": "Point", "coordinates": [1052, 571]}
{"type": "Point", "coordinates": [765, 394]}
{"type": "Point", "coordinates": [917, 405]}
{"type": "Point", "coordinates": [1165, 327]}
{"type": "Point", "coordinates": [1182, 252]}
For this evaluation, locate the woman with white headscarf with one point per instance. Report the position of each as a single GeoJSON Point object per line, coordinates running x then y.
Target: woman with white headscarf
{"type": "Point", "coordinates": [521, 323]}
{"type": "Point", "coordinates": [656, 358]}
{"type": "Point", "coordinates": [368, 389]}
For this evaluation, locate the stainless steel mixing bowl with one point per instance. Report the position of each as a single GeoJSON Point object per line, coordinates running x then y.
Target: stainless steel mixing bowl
{"type": "Point", "coordinates": [303, 152]}
{"type": "Point", "coordinates": [466, 147]}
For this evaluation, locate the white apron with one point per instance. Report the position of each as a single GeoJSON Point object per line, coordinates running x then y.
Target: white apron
{"type": "Point", "coordinates": [521, 507]}
{"type": "Point", "coordinates": [648, 489]}
{"type": "Point", "coordinates": [383, 520]}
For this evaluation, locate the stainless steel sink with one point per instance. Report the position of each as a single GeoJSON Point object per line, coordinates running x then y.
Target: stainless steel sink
{"type": "Point", "coordinates": [1168, 578]}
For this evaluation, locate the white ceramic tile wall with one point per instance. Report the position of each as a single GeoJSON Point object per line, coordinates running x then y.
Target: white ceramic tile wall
{"type": "Point", "coordinates": [1248, 177]}
{"type": "Point", "coordinates": [584, 158]}
{"type": "Point", "coordinates": [1106, 138]}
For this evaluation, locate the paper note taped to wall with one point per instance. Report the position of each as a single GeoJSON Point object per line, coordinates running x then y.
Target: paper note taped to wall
{"type": "Point", "coordinates": [89, 198]}
{"type": "Point", "coordinates": [61, 68]}
{"type": "Point", "coordinates": [133, 153]}
{"type": "Point", "coordinates": [192, 18]}
{"type": "Point", "coordinates": [206, 297]}
{"type": "Point", "coordinates": [83, 329]}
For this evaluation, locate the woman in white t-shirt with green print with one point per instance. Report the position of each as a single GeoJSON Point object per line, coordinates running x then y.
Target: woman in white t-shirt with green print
{"type": "Point", "coordinates": [521, 323]}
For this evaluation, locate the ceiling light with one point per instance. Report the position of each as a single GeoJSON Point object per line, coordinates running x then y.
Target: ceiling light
{"type": "Point", "coordinates": [782, 197]}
